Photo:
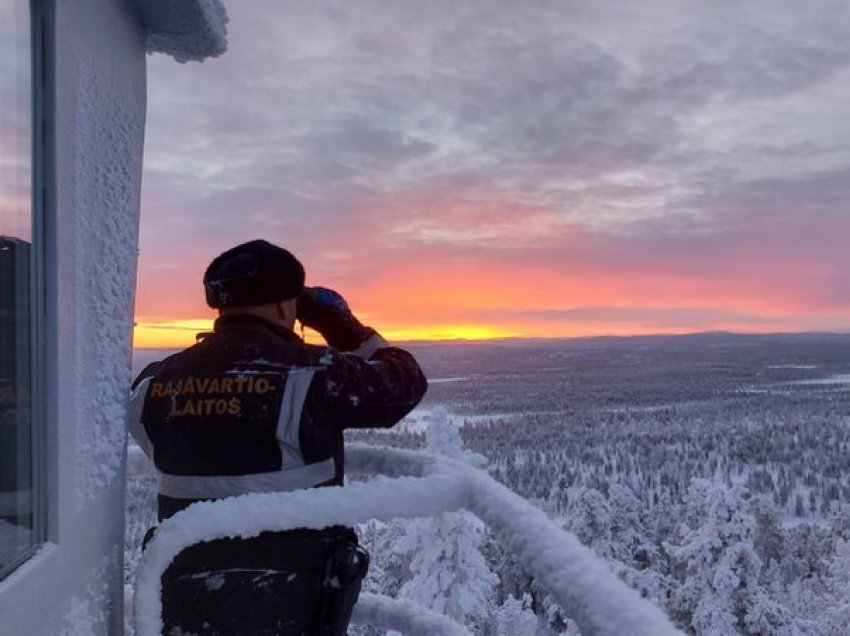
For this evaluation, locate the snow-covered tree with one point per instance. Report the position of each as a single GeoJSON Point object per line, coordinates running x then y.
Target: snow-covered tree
{"type": "Point", "coordinates": [720, 590]}
{"type": "Point", "coordinates": [444, 438]}
{"type": "Point", "coordinates": [616, 530]}
{"type": "Point", "coordinates": [449, 573]}
{"type": "Point", "coordinates": [515, 617]}
{"type": "Point", "coordinates": [589, 518]}
{"type": "Point", "coordinates": [829, 596]}
{"type": "Point", "coordinates": [387, 568]}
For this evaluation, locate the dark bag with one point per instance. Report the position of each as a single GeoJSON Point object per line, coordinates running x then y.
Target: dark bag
{"type": "Point", "coordinates": [294, 583]}
{"type": "Point", "coordinates": [346, 570]}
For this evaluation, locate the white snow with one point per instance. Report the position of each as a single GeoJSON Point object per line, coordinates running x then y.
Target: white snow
{"type": "Point", "coordinates": [107, 170]}
{"type": "Point", "coordinates": [444, 380]}
{"type": "Point", "coordinates": [832, 379]}
{"type": "Point", "coordinates": [138, 464]}
{"type": "Point", "coordinates": [409, 618]}
{"type": "Point", "coordinates": [425, 484]}
{"type": "Point", "coordinates": [188, 30]}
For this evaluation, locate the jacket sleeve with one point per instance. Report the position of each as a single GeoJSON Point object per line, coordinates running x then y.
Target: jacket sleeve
{"type": "Point", "coordinates": [374, 387]}
{"type": "Point", "coordinates": [137, 403]}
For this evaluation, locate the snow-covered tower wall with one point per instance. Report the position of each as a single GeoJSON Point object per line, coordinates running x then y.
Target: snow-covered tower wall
{"type": "Point", "coordinates": [93, 88]}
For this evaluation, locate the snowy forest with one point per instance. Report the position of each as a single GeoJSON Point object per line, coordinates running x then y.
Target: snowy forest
{"type": "Point", "coordinates": [709, 470]}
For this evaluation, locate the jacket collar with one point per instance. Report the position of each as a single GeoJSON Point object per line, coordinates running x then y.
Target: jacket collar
{"type": "Point", "coordinates": [247, 322]}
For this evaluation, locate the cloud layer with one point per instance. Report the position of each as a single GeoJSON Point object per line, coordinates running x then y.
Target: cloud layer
{"type": "Point", "coordinates": [543, 167]}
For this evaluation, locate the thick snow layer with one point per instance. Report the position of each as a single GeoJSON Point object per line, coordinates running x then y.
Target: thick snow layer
{"type": "Point", "coordinates": [424, 484]}
{"type": "Point", "coordinates": [411, 619]}
{"type": "Point", "coordinates": [188, 30]}
{"type": "Point", "coordinates": [107, 173]}
{"type": "Point", "coordinates": [249, 515]}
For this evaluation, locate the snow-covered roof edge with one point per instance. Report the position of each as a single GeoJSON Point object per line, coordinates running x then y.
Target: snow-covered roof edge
{"type": "Point", "coordinates": [187, 30]}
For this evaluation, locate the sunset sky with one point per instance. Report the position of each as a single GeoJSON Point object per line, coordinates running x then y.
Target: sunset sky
{"type": "Point", "coordinates": [492, 168]}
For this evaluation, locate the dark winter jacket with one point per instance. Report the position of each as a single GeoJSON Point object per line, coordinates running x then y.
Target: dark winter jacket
{"type": "Point", "coordinates": [252, 408]}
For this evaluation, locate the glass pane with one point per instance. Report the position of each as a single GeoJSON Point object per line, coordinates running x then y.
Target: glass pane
{"type": "Point", "coordinates": [16, 478]}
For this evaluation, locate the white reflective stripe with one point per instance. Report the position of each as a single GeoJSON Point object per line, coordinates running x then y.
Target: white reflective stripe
{"type": "Point", "coordinates": [370, 346]}
{"type": "Point", "coordinates": [134, 417]}
{"type": "Point", "coordinates": [289, 420]}
{"type": "Point", "coordinates": [218, 486]}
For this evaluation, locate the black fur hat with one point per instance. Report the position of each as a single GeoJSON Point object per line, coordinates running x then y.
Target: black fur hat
{"type": "Point", "coordinates": [253, 273]}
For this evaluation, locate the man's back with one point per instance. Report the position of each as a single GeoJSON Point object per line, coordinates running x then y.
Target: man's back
{"type": "Point", "coordinates": [251, 408]}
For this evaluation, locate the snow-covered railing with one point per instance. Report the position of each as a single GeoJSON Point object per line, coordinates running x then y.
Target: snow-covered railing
{"type": "Point", "coordinates": [411, 484]}
{"type": "Point", "coordinates": [403, 616]}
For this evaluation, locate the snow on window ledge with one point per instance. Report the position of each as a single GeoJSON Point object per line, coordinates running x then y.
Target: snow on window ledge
{"type": "Point", "coordinates": [187, 30]}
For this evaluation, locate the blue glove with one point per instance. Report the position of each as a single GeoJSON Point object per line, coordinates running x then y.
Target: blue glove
{"type": "Point", "coordinates": [327, 312]}
{"type": "Point", "coordinates": [327, 298]}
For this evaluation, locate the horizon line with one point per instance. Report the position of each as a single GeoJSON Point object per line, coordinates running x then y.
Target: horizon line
{"type": "Point", "coordinates": [506, 339]}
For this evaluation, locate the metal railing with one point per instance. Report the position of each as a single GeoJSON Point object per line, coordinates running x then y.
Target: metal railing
{"type": "Point", "coordinates": [413, 484]}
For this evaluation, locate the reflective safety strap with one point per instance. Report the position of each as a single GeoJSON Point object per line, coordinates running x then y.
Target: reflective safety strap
{"type": "Point", "coordinates": [218, 486]}
{"type": "Point", "coordinates": [370, 346]}
{"type": "Point", "coordinates": [289, 420]}
{"type": "Point", "coordinates": [134, 417]}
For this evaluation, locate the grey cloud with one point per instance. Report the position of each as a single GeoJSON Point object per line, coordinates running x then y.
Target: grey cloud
{"type": "Point", "coordinates": [347, 116]}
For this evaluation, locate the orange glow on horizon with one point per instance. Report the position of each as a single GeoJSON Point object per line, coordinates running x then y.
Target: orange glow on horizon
{"type": "Point", "coordinates": [484, 299]}
{"type": "Point", "coordinates": [182, 333]}
{"type": "Point", "coordinates": [169, 334]}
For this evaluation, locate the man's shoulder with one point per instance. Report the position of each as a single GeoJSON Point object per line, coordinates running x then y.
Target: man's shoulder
{"type": "Point", "coordinates": [154, 368]}
{"type": "Point", "coordinates": [148, 372]}
{"type": "Point", "coordinates": [216, 354]}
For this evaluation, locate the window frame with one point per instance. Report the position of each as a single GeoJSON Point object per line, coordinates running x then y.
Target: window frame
{"type": "Point", "coordinates": [40, 12]}
{"type": "Point", "coordinates": [41, 15]}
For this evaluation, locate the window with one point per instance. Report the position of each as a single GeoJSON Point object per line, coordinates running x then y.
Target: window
{"type": "Point", "coordinates": [19, 526]}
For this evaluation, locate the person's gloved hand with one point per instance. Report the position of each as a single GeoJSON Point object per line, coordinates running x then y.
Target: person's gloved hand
{"type": "Point", "coordinates": [327, 312]}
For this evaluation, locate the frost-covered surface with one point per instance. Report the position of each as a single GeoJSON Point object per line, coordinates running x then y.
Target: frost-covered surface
{"type": "Point", "coordinates": [187, 30]}
{"type": "Point", "coordinates": [140, 515]}
{"type": "Point", "coordinates": [584, 585]}
{"type": "Point", "coordinates": [108, 170]}
{"type": "Point", "coordinates": [88, 614]}
{"type": "Point", "coordinates": [409, 618]}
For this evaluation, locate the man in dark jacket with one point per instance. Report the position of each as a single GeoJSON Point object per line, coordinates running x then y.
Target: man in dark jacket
{"type": "Point", "coordinates": [252, 408]}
